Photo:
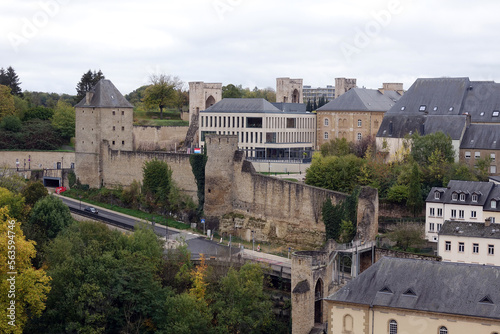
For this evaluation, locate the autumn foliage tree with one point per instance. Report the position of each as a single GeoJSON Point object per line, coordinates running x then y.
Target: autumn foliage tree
{"type": "Point", "coordinates": [163, 92]}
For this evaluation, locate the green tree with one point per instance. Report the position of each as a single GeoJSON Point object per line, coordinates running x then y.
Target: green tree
{"type": "Point", "coordinates": [406, 235]}
{"type": "Point", "coordinates": [64, 119]}
{"type": "Point", "coordinates": [482, 168]}
{"type": "Point", "coordinates": [347, 232]}
{"type": "Point", "coordinates": [32, 286]}
{"type": "Point", "coordinates": [11, 79]}
{"type": "Point", "coordinates": [422, 147]}
{"type": "Point", "coordinates": [13, 183]}
{"type": "Point", "coordinates": [48, 217]}
{"type": "Point", "coordinates": [21, 106]}
{"type": "Point", "coordinates": [11, 123]}
{"type": "Point", "coordinates": [241, 305]}
{"type": "Point", "coordinates": [157, 181]}
{"type": "Point", "coordinates": [15, 203]}
{"type": "Point", "coordinates": [337, 147]}
{"type": "Point", "coordinates": [398, 193]}
{"type": "Point", "coordinates": [34, 191]}
{"type": "Point", "coordinates": [232, 91]}
{"type": "Point", "coordinates": [163, 92]}
{"type": "Point", "coordinates": [415, 202]}
{"type": "Point", "coordinates": [87, 82]}
{"type": "Point", "coordinates": [38, 112]}
{"type": "Point", "coordinates": [7, 106]}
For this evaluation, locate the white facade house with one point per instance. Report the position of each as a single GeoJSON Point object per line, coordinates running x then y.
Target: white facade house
{"type": "Point", "coordinates": [279, 131]}
{"type": "Point", "coordinates": [470, 242]}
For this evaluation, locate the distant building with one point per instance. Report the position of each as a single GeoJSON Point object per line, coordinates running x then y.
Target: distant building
{"type": "Point", "coordinates": [314, 94]}
{"type": "Point", "coordinates": [355, 115]}
{"type": "Point", "coordinates": [265, 130]}
{"type": "Point", "coordinates": [289, 90]}
{"type": "Point", "coordinates": [416, 296]}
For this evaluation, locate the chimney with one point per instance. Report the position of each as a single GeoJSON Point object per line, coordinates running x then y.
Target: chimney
{"type": "Point", "coordinates": [487, 222]}
{"type": "Point", "coordinates": [88, 97]}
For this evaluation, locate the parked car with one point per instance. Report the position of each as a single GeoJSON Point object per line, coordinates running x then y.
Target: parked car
{"type": "Point", "coordinates": [91, 209]}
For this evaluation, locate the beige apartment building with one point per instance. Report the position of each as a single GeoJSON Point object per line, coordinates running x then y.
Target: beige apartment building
{"type": "Point", "coordinates": [416, 296]}
{"type": "Point", "coordinates": [279, 131]}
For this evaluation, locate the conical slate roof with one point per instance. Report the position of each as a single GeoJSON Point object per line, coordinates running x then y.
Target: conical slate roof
{"type": "Point", "coordinates": [105, 95]}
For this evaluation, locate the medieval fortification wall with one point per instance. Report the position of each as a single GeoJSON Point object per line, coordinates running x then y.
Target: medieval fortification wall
{"type": "Point", "coordinates": [156, 138]}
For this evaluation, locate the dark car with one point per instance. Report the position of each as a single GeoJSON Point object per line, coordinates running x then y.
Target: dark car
{"type": "Point", "coordinates": [91, 209]}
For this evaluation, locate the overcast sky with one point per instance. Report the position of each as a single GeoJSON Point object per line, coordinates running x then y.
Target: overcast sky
{"type": "Point", "coordinates": [51, 43]}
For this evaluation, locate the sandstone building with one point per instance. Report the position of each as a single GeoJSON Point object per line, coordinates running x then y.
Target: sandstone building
{"type": "Point", "coordinates": [415, 296]}
{"type": "Point", "coordinates": [289, 90]}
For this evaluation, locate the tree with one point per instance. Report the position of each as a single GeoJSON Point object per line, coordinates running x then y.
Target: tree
{"type": "Point", "coordinates": [31, 285]}
{"type": "Point", "coordinates": [232, 91]}
{"type": "Point", "coordinates": [49, 216]}
{"type": "Point", "coordinates": [87, 82]}
{"type": "Point", "coordinates": [7, 106]}
{"type": "Point", "coordinates": [13, 183]}
{"type": "Point", "coordinates": [10, 78]}
{"type": "Point", "coordinates": [39, 112]}
{"type": "Point", "coordinates": [64, 119]}
{"type": "Point", "coordinates": [422, 147]}
{"type": "Point", "coordinates": [14, 203]}
{"type": "Point", "coordinates": [415, 202]}
{"type": "Point", "coordinates": [406, 235]}
{"type": "Point", "coordinates": [34, 191]}
{"type": "Point", "coordinates": [337, 146]}
{"type": "Point", "coordinates": [163, 92]}
{"type": "Point", "coordinates": [157, 180]}
{"type": "Point", "coordinates": [241, 305]}
{"type": "Point", "coordinates": [11, 123]}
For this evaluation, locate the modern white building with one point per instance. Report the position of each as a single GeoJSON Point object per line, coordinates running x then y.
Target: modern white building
{"type": "Point", "coordinates": [266, 131]}
{"type": "Point", "coordinates": [470, 242]}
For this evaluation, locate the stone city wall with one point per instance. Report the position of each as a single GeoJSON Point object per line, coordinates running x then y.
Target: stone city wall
{"type": "Point", "coordinates": [39, 159]}
{"type": "Point", "coordinates": [155, 138]}
{"type": "Point", "coordinates": [121, 168]}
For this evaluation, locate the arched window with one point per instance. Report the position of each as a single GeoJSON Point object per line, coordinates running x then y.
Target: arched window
{"type": "Point", "coordinates": [348, 323]}
{"type": "Point", "coordinates": [443, 330]}
{"type": "Point", "coordinates": [393, 327]}
{"type": "Point", "coordinates": [359, 123]}
{"type": "Point", "coordinates": [326, 122]}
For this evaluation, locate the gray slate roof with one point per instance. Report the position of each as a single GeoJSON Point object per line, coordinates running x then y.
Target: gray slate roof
{"type": "Point", "coordinates": [235, 105]}
{"type": "Point", "coordinates": [290, 107]}
{"type": "Point", "coordinates": [362, 99]}
{"type": "Point", "coordinates": [445, 287]}
{"type": "Point", "coordinates": [482, 136]}
{"type": "Point", "coordinates": [483, 190]}
{"type": "Point", "coordinates": [470, 229]}
{"type": "Point", "coordinates": [106, 95]}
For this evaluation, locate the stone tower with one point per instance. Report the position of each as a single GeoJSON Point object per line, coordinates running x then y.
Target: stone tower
{"type": "Point", "coordinates": [201, 96]}
{"type": "Point", "coordinates": [219, 174]}
{"type": "Point", "coordinates": [342, 85]}
{"type": "Point", "coordinates": [104, 117]}
{"type": "Point", "coordinates": [289, 90]}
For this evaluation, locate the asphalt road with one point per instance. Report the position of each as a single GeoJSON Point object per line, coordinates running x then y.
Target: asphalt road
{"type": "Point", "coordinates": [196, 244]}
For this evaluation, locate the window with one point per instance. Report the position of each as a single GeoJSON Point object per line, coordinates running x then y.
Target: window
{"type": "Point", "coordinates": [113, 142]}
{"type": "Point", "coordinates": [431, 212]}
{"type": "Point", "coordinates": [454, 196]}
{"type": "Point", "coordinates": [496, 113]}
{"type": "Point", "coordinates": [393, 327]}
{"type": "Point", "coordinates": [467, 155]}
{"type": "Point", "coordinates": [123, 128]}
{"type": "Point", "coordinates": [123, 112]}
{"type": "Point", "coordinates": [325, 135]}
{"type": "Point", "coordinates": [475, 248]}
{"type": "Point", "coordinates": [431, 227]}
{"type": "Point", "coordinates": [326, 122]}
{"type": "Point", "coordinates": [359, 123]}
{"type": "Point", "coordinates": [492, 157]}
{"type": "Point", "coordinates": [461, 214]}
{"type": "Point", "coordinates": [462, 197]}
{"type": "Point", "coordinates": [493, 204]}
{"type": "Point", "coordinates": [403, 108]}
{"type": "Point", "coordinates": [359, 136]}
{"type": "Point", "coordinates": [114, 113]}
{"type": "Point", "coordinates": [439, 227]}
{"type": "Point", "coordinates": [474, 197]}
{"type": "Point", "coordinates": [437, 195]}
{"type": "Point", "coordinates": [447, 246]}
{"type": "Point", "coordinates": [477, 155]}
{"type": "Point", "coordinates": [491, 249]}
{"type": "Point", "coordinates": [461, 247]}
{"type": "Point", "coordinates": [440, 213]}
{"type": "Point", "coordinates": [422, 108]}
{"type": "Point", "coordinates": [453, 213]}
{"type": "Point", "coordinates": [493, 169]}
{"type": "Point", "coordinates": [113, 128]}
{"type": "Point", "coordinates": [473, 214]}
{"type": "Point", "coordinates": [443, 330]}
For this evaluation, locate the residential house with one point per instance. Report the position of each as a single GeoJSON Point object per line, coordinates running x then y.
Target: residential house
{"type": "Point", "coordinates": [416, 296]}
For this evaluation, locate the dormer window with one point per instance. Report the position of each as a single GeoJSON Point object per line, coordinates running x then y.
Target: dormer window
{"type": "Point", "coordinates": [493, 204]}
{"type": "Point", "coordinates": [437, 195]}
{"type": "Point", "coordinates": [422, 108]}
{"type": "Point", "coordinates": [496, 113]}
{"type": "Point", "coordinates": [454, 196]}
{"type": "Point", "coordinates": [462, 197]}
{"type": "Point", "coordinates": [403, 108]}
{"type": "Point", "coordinates": [474, 197]}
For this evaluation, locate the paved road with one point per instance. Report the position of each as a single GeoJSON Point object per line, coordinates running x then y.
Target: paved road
{"type": "Point", "coordinates": [196, 244]}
